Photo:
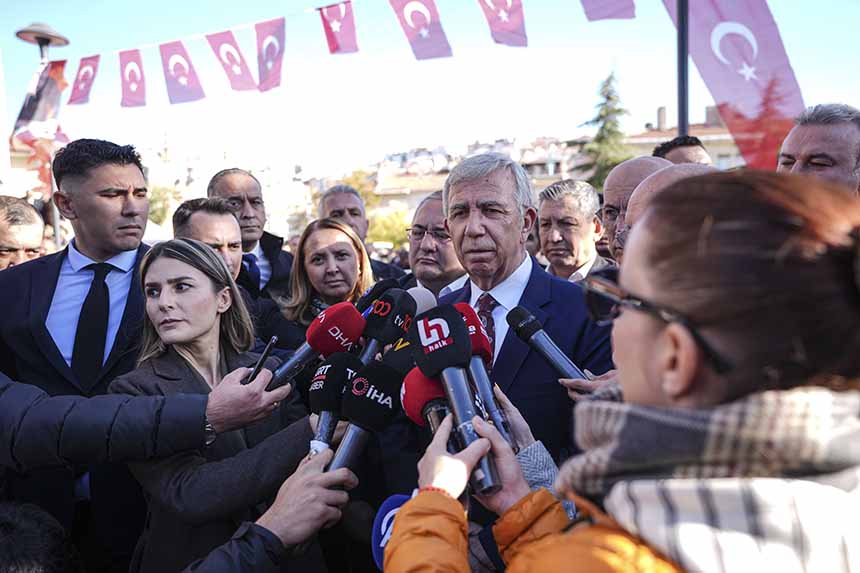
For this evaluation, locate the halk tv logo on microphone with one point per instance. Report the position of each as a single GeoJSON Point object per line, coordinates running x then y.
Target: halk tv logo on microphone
{"type": "Point", "coordinates": [361, 387]}
{"type": "Point", "coordinates": [434, 334]}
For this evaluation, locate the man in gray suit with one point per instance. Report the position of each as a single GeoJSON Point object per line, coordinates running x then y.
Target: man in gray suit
{"type": "Point", "coordinates": [570, 228]}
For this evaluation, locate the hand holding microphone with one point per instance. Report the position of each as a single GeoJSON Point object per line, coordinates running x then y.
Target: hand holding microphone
{"type": "Point", "coordinates": [325, 394]}
{"type": "Point", "coordinates": [441, 348]}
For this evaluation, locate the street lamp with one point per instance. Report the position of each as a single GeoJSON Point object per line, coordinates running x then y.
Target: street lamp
{"type": "Point", "coordinates": [44, 36]}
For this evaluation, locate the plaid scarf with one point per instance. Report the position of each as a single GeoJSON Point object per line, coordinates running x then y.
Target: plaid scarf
{"type": "Point", "coordinates": [806, 431]}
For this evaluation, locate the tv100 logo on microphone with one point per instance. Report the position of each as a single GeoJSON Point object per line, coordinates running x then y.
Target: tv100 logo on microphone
{"type": "Point", "coordinates": [382, 308]}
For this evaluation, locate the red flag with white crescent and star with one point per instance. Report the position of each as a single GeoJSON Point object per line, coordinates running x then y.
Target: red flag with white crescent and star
{"type": "Point", "coordinates": [183, 85]}
{"type": "Point", "coordinates": [736, 46]}
{"type": "Point", "coordinates": [339, 25]}
{"type": "Point", "coordinates": [84, 80]}
{"type": "Point", "coordinates": [270, 52]}
{"type": "Point", "coordinates": [230, 57]}
{"type": "Point", "coordinates": [423, 28]}
{"type": "Point", "coordinates": [133, 80]}
{"type": "Point", "coordinates": [609, 9]}
{"type": "Point", "coordinates": [506, 20]}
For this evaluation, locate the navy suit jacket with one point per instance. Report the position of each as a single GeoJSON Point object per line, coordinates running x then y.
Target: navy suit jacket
{"type": "Point", "coordinates": [282, 263]}
{"type": "Point", "coordinates": [29, 354]}
{"type": "Point", "coordinates": [526, 378]}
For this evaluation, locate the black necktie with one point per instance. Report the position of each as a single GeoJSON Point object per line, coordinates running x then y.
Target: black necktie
{"type": "Point", "coordinates": [91, 335]}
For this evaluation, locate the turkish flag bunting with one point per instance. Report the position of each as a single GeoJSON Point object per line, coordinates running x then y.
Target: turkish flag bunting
{"type": "Point", "coordinates": [506, 20]}
{"type": "Point", "coordinates": [608, 9]}
{"type": "Point", "coordinates": [339, 24]}
{"type": "Point", "coordinates": [270, 52]}
{"type": "Point", "coordinates": [84, 80]}
{"type": "Point", "coordinates": [420, 22]}
{"type": "Point", "coordinates": [227, 51]}
{"type": "Point", "coordinates": [736, 46]}
{"type": "Point", "coordinates": [182, 82]}
{"type": "Point", "coordinates": [133, 80]}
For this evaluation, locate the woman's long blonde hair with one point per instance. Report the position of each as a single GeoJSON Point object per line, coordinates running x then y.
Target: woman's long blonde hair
{"type": "Point", "coordinates": [302, 292]}
{"type": "Point", "coordinates": [236, 331]}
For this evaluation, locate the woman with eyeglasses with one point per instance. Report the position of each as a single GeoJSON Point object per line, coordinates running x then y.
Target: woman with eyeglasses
{"type": "Point", "coordinates": [196, 329]}
{"type": "Point", "coordinates": [731, 441]}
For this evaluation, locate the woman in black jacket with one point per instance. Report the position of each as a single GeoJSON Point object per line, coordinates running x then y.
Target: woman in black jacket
{"type": "Point", "coordinates": [196, 329]}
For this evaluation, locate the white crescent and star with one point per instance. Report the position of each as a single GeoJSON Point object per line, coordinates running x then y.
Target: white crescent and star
{"type": "Point", "coordinates": [503, 14]}
{"type": "Point", "coordinates": [722, 30]}
{"type": "Point", "coordinates": [178, 60]}
{"type": "Point", "coordinates": [409, 11]}
{"type": "Point", "coordinates": [129, 68]}
{"type": "Point", "coordinates": [335, 23]}
{"type": "Point", "coordinates": [85, 74]}
{"type": "Point", "coordinates": [270, 41]}
{"type": "Point", "coordinates": [225, 51]}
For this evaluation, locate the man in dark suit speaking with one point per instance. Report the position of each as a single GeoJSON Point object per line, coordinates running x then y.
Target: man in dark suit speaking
{"type": "Point", "coordinates": [489, 211]}
{"type": "Point", "coordinates": [71, 324]}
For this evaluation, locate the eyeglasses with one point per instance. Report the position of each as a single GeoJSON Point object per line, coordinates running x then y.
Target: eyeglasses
{"type": "Point", "coordinates": [604, 300]}
{"type": "Point", "coordinates": [417, 234]}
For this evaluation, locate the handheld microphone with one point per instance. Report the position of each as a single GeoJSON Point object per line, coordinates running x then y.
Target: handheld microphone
{"type": "Point", "coordinates": [370, 404]}
{"type": "Point", "coordinates": [390, 317]}
{"type": "Point", "coordinates": [326, 391]}
{"type": "Point", "coordinates": [530, 331]}
{"type": "Point", "coordinates": [336, 329]}
{"type": "Point", "coordinates": [374, 292]}
{"type": "Point", "coordinates": [441, 349]}
{"type": "Point", "coordinates": [482, 354]}
{"type": "Point", "coordinates": [383, 525]}
{"type": "Point", "coordinates": [423, 401]}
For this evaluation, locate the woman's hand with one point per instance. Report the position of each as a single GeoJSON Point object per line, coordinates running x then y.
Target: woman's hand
{"type": "Point", "coordinates": [521, 433]}
{"type": "Point", "coordinates": [578, 388]}
{"type": "Point", "coordinates": [514, 486]}
{"type": "Point", "coordinates": [232, 404]}
{"type": "Point", "coordinates": [450, 473]}
{"type": "Point", "coordinates": [339, 429]}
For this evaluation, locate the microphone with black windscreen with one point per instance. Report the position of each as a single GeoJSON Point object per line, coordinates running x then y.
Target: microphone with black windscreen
{"type": "Point", "coordinates": [441, 348]}
{"type": "Point", "coordinates": [530, 331]}
{"type": "Point", "coordinates": [325, 394]}
{"type": "Point", "coordinates": [374, 292]}
{"type": "Point", "coordinates": [482, 355]}
{"type": "Point", "coordinates": [335, 329]}
{"type": "Point", "coordinates": [390, 317]}
{"type": "Point", "coordinates": [370, 403]}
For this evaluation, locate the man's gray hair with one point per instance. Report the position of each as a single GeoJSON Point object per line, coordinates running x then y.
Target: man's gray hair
{"type": "Point", "coordinates": [15, 211]}
{"type": "Point", "coordinates": [337, 189]}
{"type": "Point", "coordinates": [829, 114]}
{"type": "Point", "coordinates": [584, 195]}
{"type": "Point", "coordinates": [483, 165]}
{"type": "Point", "coordinates": [434, 196]}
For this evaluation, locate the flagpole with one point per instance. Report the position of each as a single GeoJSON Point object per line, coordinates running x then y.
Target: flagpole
{"type": "Point", "coordinates": [683, 59]}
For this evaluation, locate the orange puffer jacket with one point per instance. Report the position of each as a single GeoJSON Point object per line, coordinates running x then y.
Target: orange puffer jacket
{"type": "Point", "coordinates": [430, 535]}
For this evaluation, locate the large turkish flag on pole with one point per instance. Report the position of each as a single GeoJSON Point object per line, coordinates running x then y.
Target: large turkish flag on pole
{"type": "Point", "coordinates": [506, 20]}
{"type": "Point", "coordinates": [270, 52]}
{"type": "Point", "coordinates": [133, 80]}
{"type": "Point", "coordinates": [182, 82]}
{"type": "Point", "coordinates": [420, 22]}
{"type": "Point", "coordinates": [736, 46]}
{"type": "Point", "coordinates": [339, 25]}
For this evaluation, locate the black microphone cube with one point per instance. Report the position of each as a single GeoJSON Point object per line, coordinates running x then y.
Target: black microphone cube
{"type": "Point", "coordinates": [330, 380]}
{"type": "Point", "coordinates": [372, 400]}
{"type": "Point", "coordinates": [440, 340]}
{"type": "Point", "coordinates": [390, 316]}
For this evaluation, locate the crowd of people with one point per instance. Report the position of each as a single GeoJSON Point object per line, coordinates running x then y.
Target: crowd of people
{"type": "Point", "coordinates": [714, 314]}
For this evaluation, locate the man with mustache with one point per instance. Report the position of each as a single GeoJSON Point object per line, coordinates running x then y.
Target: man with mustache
{"type": "Point", "coordinates": [432, 258]}
{"type": "Point", "coordinates": [489, 211]}
{"type": "Point", "coordinates": [71, 325]}
{"type": "Point", "coordinates": [570, 229]}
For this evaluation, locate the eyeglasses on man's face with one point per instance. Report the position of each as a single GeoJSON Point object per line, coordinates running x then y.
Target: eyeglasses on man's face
{"type": "Point", "coordinates": [416, 234]}
{"type": "Point", "coordinates": [605, 299]}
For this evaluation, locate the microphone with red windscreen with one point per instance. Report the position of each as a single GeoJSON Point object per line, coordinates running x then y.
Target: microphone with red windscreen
{"type": "Point", "coordinates": [336, 329]}
{"type": "Point", "coordinates": [482, 355]}
{"type": "Point", "coordinates": [423, 401]}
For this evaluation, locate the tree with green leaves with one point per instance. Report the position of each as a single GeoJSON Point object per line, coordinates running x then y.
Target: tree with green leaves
{"type": "Point", "coordinates": [606, 149]}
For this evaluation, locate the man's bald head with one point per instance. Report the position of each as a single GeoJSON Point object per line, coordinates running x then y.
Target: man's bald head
{"type": "Point", "coordinates": [657, 182]}
{"type": "Point", "coordinates": [618, 188]}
